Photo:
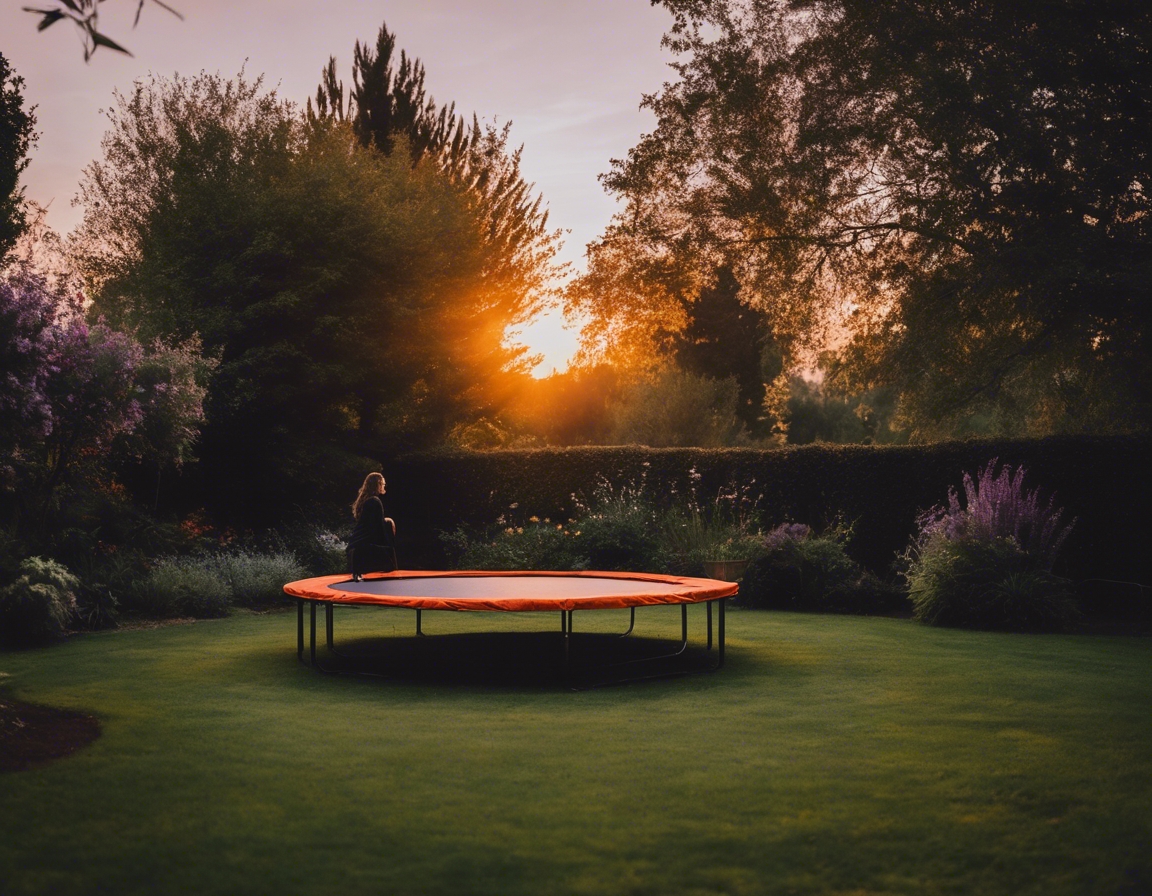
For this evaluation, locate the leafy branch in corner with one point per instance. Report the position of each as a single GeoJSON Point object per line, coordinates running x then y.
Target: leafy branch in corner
{"type": "Point", "coordinates": [85, 15]}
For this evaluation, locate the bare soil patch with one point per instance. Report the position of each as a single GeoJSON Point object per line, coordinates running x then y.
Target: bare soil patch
{"type": "Point", "coordinates": [32, 735]}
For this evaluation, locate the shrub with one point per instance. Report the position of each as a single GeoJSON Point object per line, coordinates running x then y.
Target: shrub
{"type": "Point", "coordinates": [803, 571]}
{"type": "Point", "coordinates": [987, 562]}
{"type": "Point", "coordinates": [997, 506]}
{"type": "Point", "coordinates": [726, 528]}
{"type": "Point", "coordinates": [317, 549]}
{"type": "Point", "coordinates": [988, 584]}
{"type": "Point", "coordinates": [256, 580]}
{"type": "Point", "coordinates": [538, 545]}
{"type": "Point", "coordinates": [38, 606]}
{"type": "Point", "coordinates": [618, 528]}
{"type": "Point", "coordinates": [191, 586]}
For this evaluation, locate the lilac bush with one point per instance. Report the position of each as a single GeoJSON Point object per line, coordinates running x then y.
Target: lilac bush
{"type": "Point", "coordinates": [31, 314]}
{"type": "Point", "coordinates": [71, 388]}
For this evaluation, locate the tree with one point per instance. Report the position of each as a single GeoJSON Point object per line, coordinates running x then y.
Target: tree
{"type": "Point", "coordinates": [676, 408]}
{"type": "Point", "coordinates": [17, 135]}
{"type": "Point", "coordinates": [347, 294]}
{"type": "Point", "coordinates": [964, 184]}
{"type": "Point", "coordinates": [726, 338]}
{"type": "Point", "coordinates": [389, 104]}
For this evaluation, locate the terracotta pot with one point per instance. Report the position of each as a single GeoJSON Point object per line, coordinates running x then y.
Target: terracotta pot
{"type": "Point", "coordinates": [725, 570]}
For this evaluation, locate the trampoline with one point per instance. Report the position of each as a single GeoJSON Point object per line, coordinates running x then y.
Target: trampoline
{"type": "Point", "coordinates": [512, 592]}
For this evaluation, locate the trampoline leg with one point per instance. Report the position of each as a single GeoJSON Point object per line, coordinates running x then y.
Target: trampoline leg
{"type": "Point", "coordinates": [683, 627]}
{"type": "Point", "coordinates": [566, 622]}
{"type": "Point", "coordinates": [419, 632]}
{"type": "Point", "coordinates": [631, 622]}
{"type": "Point", "coordinates": [720, 638]}
{"type": "Point", "coordinates": [329, 625]}
{"type": "Point", "coordinates": [312, 638]}
{"type": "Point", "coordinates": [708, 607]}
{"type": "Point", "coordinates": [300, 629]}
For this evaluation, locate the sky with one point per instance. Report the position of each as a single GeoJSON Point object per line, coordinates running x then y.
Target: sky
{"type": "Point", "coordinates": [568, 74]}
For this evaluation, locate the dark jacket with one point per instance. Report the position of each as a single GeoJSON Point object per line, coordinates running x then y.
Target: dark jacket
{"type": "Point", "coordinates": [370, 527]}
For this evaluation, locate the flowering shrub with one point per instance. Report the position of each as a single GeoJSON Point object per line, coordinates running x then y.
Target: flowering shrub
{"type": "Point", "coordinates": [622, 528]}
{"type": "Point", "coordinates": [70, 390]}
{"type": "Point", "coordinates": [39, 605]}
{"type": "Point", "coordinates": [800, 570]}
{"type": "Point", "coordinates": [996, 505]}
{"type": "Point", "coordinates": [538, 545]}
{"type": "Point", "coordinates": [987, 562]}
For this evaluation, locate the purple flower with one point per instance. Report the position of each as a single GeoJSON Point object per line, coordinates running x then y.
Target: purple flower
{"type": "Point", "coordinates": [996, 505]}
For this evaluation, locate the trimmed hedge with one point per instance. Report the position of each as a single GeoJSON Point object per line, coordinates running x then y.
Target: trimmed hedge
{"type": "Point", "coordinates": [1101, 481]}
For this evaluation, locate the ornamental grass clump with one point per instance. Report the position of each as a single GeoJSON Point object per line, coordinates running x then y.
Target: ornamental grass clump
{"type": "Point", "coordinates": [38, 607]}
{"type": "Point", "coordinates": [987, 562]}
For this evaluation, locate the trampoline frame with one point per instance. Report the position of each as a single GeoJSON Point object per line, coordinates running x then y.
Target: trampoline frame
{"type": "Point", "coordinates": [567, 619]}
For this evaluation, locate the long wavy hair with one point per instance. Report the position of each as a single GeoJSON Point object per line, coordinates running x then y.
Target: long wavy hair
{"type": "Point", "coordinates": [373, 486]}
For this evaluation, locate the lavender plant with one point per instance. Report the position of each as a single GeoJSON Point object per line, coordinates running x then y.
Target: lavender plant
{"type": "Point", "coordinates": [986, 561]}
{"type": "Point", "coordinates": [997, 505]}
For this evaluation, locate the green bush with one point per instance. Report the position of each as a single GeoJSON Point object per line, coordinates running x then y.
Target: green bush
{"type": "Point", "coordinates": [802, 571]}
{"type": "Point", "coordinates": [187, 586]}
{"type": "Point", "coordinates": [987, 584]}
{"type": "Point", "coordinates": [537, 545]}
{"type": "Point", "coordinates": [39, 605]}
{"type": "Point", "coordinates": [256, 580]}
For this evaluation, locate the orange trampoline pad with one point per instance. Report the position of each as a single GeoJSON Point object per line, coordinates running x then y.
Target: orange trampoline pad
{"type": "Point", "coordinates": [512, 591]}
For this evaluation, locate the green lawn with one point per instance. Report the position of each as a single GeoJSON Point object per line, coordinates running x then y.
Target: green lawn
{"type": "Point", "coordinates": [831, 755]}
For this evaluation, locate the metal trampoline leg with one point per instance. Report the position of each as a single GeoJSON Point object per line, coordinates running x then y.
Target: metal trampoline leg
{"type": "Point", "coordinates": [312, 637]}
{"type": "Point", "coordinates": [708, 607]}
{"type": "Point", "coordinates": [566, 622]}
{"type": "Point", "coordinates": [328, 612]}
{"type": "Point", "coordinates": [300, 629]}
{"type": "Point", "coordinates": [419, 631]}
{"type": "Point", "coordinates": [720, 636]}
{"type": "Point", "coordinates": [631, 622]}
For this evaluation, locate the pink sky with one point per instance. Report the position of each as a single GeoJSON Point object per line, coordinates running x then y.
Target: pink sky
{"type": "Point", "coordinates": [569, 74]}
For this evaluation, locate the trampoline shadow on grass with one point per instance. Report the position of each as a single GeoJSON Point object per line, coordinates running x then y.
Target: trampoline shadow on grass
{"type": "Point", "coordinates": [516, 659]}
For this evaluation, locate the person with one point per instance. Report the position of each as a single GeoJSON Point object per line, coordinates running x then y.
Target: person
{"type": "Point", "coordinates": [372, 545]}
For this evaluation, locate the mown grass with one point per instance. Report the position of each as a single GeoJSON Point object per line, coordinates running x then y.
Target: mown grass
{"type": "Point", "coordinates": [831, 755]}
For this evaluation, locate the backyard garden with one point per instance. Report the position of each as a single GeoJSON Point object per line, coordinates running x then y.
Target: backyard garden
{"type": "Point", "coordinates": [865, 337]}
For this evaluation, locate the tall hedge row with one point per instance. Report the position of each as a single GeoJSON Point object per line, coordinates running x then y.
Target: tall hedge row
{"type": "Point", "coordinates": [1102, 481]}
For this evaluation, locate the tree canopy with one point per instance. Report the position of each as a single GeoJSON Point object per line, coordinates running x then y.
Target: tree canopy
{"type": "Point", "coordinates": [961, 186]}
{"type": "Point", "coordinates": [349, 295]}
{"type": "Point", "coordinates": [16, 137]}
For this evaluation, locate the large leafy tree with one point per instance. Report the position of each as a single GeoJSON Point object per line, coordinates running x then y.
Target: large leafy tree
{"type": "Point", "coordinates": [389, 105]}
{"type": "Point", "coordinates": [963, 185]}
{"type": "Point", "coordinates": [16, 136]}
{"type": "Point", "coordinates": [344, 291]}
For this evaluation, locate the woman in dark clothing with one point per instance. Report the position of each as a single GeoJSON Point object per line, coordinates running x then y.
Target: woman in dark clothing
{"type": "Point", "coordinates": [372, 545]}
